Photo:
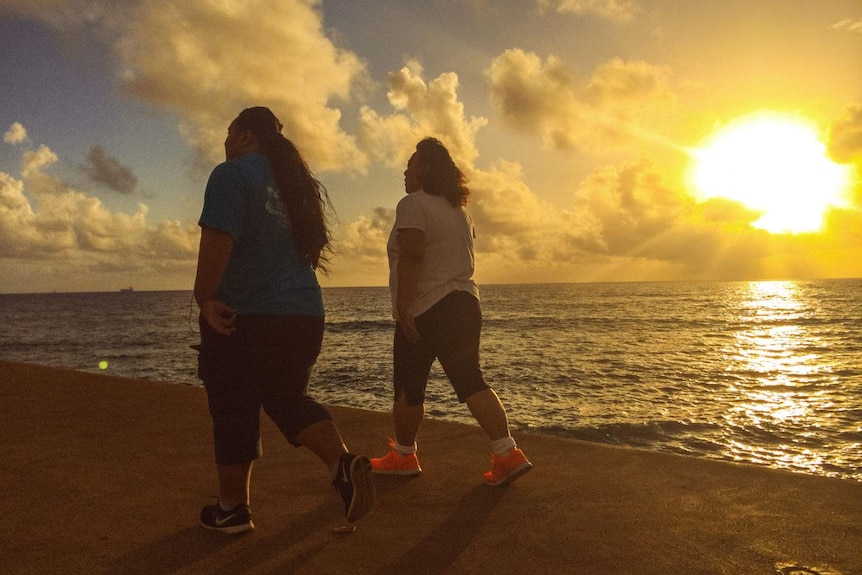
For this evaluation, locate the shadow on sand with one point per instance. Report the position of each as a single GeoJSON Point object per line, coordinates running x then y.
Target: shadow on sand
{"type": "Point", "coordinates": [438, 551]}
{"type": "Point", "coordinates": [195, 549]}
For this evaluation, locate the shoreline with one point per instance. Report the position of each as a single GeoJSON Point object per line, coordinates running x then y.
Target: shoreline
{"type": "Point", "coordinates": [104, 474]}
{"type": "Point", "coordinates": [587, 435]}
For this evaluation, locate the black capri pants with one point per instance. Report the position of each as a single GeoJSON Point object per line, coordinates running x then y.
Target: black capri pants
{"type": "Point", "coordinates": [448, 332]}
{"type": "Point", "coordinates": [266, 362]}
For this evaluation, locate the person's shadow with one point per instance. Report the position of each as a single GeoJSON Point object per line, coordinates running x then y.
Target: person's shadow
{"type": "Point", "coordinates": [171, 553]}
{"type": "Point", "coordinates": [183, 549]}
{"type": "Point", "coordinates": [439, 550]}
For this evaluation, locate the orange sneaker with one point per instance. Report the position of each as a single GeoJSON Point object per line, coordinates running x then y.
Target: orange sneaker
{"type": "Point", "coordinates": [395, 464]}
{"type": "Point", "coordinates": [507, 468]}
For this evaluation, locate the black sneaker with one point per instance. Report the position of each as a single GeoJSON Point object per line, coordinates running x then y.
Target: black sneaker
{"type": "Point", "coordinates": [355, 483]}
{"type": "Point", "coordinates": [236, 520]}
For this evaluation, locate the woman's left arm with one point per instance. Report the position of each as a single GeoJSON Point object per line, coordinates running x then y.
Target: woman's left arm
{"type": "Point", "coordinates": [411, 254]}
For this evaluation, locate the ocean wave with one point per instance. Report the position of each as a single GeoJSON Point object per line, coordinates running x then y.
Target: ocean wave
{"type": "Point", "coordinates": [640, 434]}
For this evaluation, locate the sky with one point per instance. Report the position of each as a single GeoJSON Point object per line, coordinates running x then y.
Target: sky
{"type": "Point", "coordinates": [603, 140]}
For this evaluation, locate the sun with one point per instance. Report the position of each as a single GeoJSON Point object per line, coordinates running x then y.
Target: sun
{"type": "Point", "coordinates": [774, 164]}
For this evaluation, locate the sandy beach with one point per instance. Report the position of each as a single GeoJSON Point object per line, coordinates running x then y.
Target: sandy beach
{"type": "Point", "coordinates": [107, 475]}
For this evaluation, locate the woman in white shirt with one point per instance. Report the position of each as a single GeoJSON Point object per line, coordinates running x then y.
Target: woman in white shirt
{"type": "Point", "coordinates": [435, 303]}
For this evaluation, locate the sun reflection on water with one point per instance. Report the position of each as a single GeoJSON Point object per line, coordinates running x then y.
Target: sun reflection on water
{"type": "Point", "coordinates": [781, 393]}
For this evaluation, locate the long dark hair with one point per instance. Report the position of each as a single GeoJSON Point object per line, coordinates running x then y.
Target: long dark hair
{"type": "Point", "coordinates": [440, 176]}
{"type": "Point", "coordinates": [304, 197]}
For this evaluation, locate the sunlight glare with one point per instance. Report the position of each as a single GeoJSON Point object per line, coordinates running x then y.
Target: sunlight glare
{"type": "Point", "coordinates": [775, 165]}
{"type": "Point", "coordinates": [776, 349]}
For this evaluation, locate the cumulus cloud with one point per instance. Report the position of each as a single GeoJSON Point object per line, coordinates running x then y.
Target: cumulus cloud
{"type": "Point", "coordinates": [845, 136]}
{"type": "Point", "coordinates": [44, 219]}
{"type": "Point", "coordinates": [421, 109]}
{"type": "Point", "coordinates": [617, 212]}
{"type": "Point", "coordinates": [624, 221]}
{"type": "Point", "coordinates": [15, 134]}
{"type": "Point", "coordinates": [208, 60]}
{"type": "Point", "coordinates": [33, 161]}
{"type": "Point", "coordinates": [636, 216]}
{"type": "Point", "coordinates": [106, 170]}
{"type": "Point", "coordinates": [627, 222]}
{"type": "Point", "coordinates": [614, 10]}
{"type": "Point", "coordinates": [632, 211]}
{"type": "Point", "coordinates": [548, 98]}
{"type": "Point", "coordinates": [365, 238]}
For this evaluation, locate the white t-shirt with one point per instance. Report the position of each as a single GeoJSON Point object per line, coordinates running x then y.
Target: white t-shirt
{"type": "Point", "coordinates": [449, 262]}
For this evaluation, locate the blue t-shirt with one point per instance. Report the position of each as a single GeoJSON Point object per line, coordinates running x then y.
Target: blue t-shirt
{"type": "Point", "coordinates": [264, 274]}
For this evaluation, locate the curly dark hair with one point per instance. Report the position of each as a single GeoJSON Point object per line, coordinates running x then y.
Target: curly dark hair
{"type": "Point", "coordinates": [439, 174]}
{"type": "Point", "coordinates": [305, 199]}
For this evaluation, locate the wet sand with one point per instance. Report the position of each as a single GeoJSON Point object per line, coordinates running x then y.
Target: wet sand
{"type": "Point", "coordinates": [107, 475]}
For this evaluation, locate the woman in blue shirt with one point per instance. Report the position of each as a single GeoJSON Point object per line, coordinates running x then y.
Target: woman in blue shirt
{"type": "Point", "coordinates": [263, 235]}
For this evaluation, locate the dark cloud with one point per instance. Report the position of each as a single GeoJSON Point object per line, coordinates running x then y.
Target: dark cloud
{"type": "Point", "coordinates": [44, 220]}
{"type": "Point", "coordinates": [106, 170]}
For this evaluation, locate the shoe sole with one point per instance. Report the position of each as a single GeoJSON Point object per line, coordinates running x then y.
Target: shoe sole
{"type": "Point", "coordinates": [519, 471]}
{"type": "Point", "coordinates": [401, 472]}
{"type": "Point", "coordinates": [232, 530]}
{"type": "Point", "coordinates": [362, 479]}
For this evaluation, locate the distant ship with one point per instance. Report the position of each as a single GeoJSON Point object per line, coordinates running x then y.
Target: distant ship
{"type": "Point", "coordinates": [127, 290]}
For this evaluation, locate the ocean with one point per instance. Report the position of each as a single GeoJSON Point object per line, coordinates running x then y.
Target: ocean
{"type": "Point", "coordinates": [764, 373]}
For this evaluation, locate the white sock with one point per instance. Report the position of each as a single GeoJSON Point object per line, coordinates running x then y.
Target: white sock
{"type": "Point", "coordinates": [226, 507]}
{"type": "Point", "coordinates": [404, 450]}
{"type": "Point", "coordinates": [504, 445]}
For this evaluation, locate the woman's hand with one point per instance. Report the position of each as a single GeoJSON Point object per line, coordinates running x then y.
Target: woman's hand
{"type": "Point", "coordinates": [411, 256]}
{"type": "Point", "coordinates": [408, 326]}
{"type": "Point", "coordinates": [219, 316]}
{"type": "Point", "coordinates": [214, 253]}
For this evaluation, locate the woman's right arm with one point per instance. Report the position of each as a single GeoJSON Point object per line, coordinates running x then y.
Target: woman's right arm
{"type": "Point", "coordinates": [215, 249]}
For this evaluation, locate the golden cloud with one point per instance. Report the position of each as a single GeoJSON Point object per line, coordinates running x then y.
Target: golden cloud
{"type": "Point", "coordinates": [606, 110]}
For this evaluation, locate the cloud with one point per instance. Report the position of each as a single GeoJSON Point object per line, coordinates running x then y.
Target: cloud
{"type": "Point", "coordinates": [34, 161]}
{"type": "Point", "coordinates": [107, 171]}
{"type": "Point", "coordinates": [623, 222]}
{"type": "Point", "coordinates": [15, 134]}
{"type": "Point", "coordinates": [845, 136]}
{"type": "Point", "coordinates": [365, 238]}
{"type": "Point", "coordinates": [616, 212]}
{"type": "Point", "coordinates": [44, 220]}
{"type": "Point", "coordinates": [626, 223]}
{"type": "Point", "coordinates": [607, 109]}
{"type": "Point", "coordinates": [208, 60]}
{"type": "Point", "coordinates": [633, 213]}
{"type": "Point", "coordinates": [66, 15]}
{"type": "Point", "coordinates": [421, 110]}
{"type": "Point", "coordinates": [614, 10]}
{"type": "Point", "coordinates": [852, 26]}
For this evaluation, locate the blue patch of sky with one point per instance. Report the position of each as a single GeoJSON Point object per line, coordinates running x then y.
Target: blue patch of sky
{"type": "Point", "coordinates": [66, 93]}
